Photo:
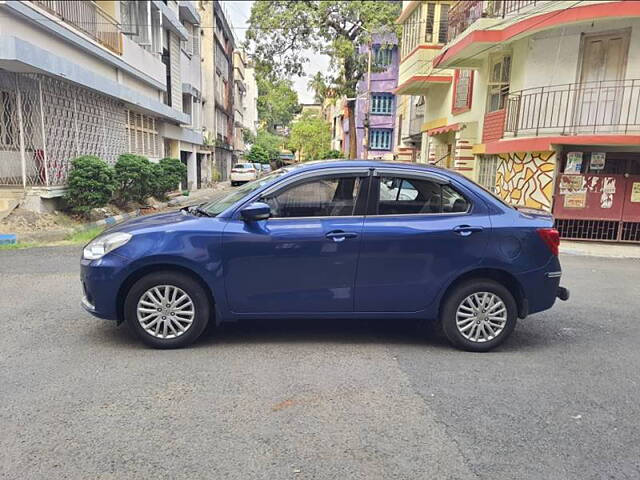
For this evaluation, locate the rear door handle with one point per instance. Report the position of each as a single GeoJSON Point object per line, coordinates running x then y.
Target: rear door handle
{"type": "Point", "coordinates": [339, 235]}
{"type": "Point", "coordinates": [466, 230]}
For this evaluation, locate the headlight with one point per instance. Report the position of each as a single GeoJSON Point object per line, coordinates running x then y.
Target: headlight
{"type": "Point", "coordinates": [104, 244]}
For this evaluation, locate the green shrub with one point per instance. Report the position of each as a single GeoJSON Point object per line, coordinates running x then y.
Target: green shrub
{"type": "Point", "coordinates": [91, 184]}
{"type": "Point", "coordinates": [135, 178]}
{"type": "Point", "coordinates": [329, 154]}
{"type": "Point", "coordinates": [168, 174]}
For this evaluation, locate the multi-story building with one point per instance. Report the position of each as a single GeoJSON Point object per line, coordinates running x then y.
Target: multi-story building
{"type": "Point", "coordinates": [251, 99]}
{"type": "Point", "coordinates": [106, 78]}
{"type": "Point", "coordinates": [539, 101]}
{"type": "Point", "coordinates": [245, 102]}
{"type": "Point", "coordinates": [218, 85]}
{"type": "Point", "coordinates": [375, 109]}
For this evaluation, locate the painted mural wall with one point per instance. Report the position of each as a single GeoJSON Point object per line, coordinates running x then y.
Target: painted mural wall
{"type": "Point", "coordinates": [526, 178]}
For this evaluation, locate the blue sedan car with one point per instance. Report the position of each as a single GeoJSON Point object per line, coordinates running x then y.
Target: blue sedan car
{"type": "Point", "coordinates": [339, 239]}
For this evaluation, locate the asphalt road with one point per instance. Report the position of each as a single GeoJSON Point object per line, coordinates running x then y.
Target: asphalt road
{"type": "Point", "coordinates": [80, 399]}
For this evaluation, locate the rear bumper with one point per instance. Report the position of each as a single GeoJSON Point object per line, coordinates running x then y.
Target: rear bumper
{"type": "Point", "coordinates": [242, 177]}
{"type": "Point", "coordinates": [563, 293]}
{"type": "Point", "coordinates": [542, 287]}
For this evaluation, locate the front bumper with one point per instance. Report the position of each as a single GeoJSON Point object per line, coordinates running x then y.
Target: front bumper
{"type": "Point", "coordinates": [101, 282]}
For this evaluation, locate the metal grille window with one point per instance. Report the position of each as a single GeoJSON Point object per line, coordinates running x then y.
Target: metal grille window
{"type": "Point", "coordinates": [8, 136]}
{"type": "Point", "coordinates": [443, 25]}
{"type": "Point", "coordinates": [500, 73]}
{"type": "Point", "coordinates": [411, 31]}
{"type": "Point", "coordinates": [429, 22]}
{"type": "Point", "coordinates": [382, 55]}
{"type": "Point", "coordinates": [487, 171]}
{"type": "Point", "coordinates": [462, 90]}
{"type": "Point", "coordinates": [380, 139]}
{"type": "Point", "coordinates": [382, 103]}
{"type": "Point", "coordinates": [142, 134]}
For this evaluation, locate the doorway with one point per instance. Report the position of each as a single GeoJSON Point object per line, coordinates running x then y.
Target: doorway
{"type": "Point", "coordinates": [600, 91]}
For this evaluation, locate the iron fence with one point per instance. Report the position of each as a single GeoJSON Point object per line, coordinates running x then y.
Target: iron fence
{"type": "Point", "coordinates": [88, 17]}
{"type": "Point", "coordinates": [45, 122]}
{"type": "Point", "coordinates": [576, 108]}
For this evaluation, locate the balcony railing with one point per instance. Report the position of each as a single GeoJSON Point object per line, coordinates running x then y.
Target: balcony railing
{"type": "Point", "coordinates": [463, 13]}
{"type": "Point", "coordinates": [88, 17]}
{"type": "Point", "coordinates": [604, 107]}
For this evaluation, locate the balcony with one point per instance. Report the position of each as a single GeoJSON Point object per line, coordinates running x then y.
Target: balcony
{"type": "Point", "coordinates": [465, 13]}
{"type": "Point", "coordinates": [604, 107]}
{"type": "Point", "coordinates": [89, 18]}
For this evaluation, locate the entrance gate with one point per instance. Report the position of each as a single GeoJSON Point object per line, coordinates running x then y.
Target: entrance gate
{"type": "Point", "coordinates": [598, 207]}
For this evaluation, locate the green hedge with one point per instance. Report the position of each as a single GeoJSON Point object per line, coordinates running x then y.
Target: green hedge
{"type": "Point", "coordinates": [91, 184]}
{"type": "Point", "coordinates": [135, 179]}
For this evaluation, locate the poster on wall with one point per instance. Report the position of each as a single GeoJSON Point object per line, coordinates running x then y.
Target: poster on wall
{"type": "Point", "coordinates": [597, 160]}
{"type": "Point", "coordinates": [574, 163]}
{"type": "Point", "coordinates": [635, 192]}
{"type": "Point", "coordinates": [575, 200]}
{"type": "Point", "coordinates": [572, 184]}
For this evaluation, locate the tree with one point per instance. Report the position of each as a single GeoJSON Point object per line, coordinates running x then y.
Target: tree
{"type": "Point", "coordinates": [318, 84]}
{"type": "Point", "coordinates": [280, 31]}
{"type": "Point", "coordinates": [265, 148]}
{"type": "Point", "coordinates": [277, 101]}
{"type": "Point", "coordinates": [310, 136]}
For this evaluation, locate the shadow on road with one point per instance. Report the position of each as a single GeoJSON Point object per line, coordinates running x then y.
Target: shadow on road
{"type": "Point", "coordinates": [527, 336]}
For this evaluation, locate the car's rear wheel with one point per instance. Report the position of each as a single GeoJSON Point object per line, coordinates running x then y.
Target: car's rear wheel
{"type": "Point", "coordinates": [479, 315]}
{"type": "Point", "coordinates": [167, 309]}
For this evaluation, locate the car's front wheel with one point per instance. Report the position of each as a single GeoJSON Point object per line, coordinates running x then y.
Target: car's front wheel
{"type": "Point", "coordinates": [479, 315]}
{"type": "Point", "coordinates": [167, 309]}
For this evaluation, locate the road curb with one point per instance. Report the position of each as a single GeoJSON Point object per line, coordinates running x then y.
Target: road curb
{"type": "Point", "coordinates": [63, 233]}
{"type": "Point", "coordinates": [8, 238]}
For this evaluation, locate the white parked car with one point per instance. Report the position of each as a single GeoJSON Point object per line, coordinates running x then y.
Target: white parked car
{"type": "Point", "coordinates": [243, 172]}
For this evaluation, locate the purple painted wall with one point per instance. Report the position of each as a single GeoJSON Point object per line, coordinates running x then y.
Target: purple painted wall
{"type": "Point", "coordinates": [381, 82]}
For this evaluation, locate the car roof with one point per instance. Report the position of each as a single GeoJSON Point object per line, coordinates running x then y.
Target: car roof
{"type": "Point", "coordinates": [338, 163]}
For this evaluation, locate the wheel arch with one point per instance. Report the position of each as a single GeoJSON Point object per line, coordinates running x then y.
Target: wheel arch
{"type": "Point", "coordinates": [503, 277]}
{"type": "Point", "coordinates": [158, 267]}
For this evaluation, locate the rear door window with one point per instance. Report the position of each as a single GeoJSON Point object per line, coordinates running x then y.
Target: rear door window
{"type": "Point", "coordinates": [410, 196]}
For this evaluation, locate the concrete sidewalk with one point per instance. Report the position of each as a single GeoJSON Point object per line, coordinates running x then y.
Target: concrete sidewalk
{"type": "Point", "coordinates": [595, 249]}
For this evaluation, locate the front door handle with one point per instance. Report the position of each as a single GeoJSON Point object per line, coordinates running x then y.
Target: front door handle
{"type": "Point", "coordinates": [466, 230]}
{"type": "Point", "coordinates": [340, 236]}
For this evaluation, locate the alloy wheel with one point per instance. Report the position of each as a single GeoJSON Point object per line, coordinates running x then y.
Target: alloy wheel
{"type": "Point", "coordinates": [481, 317]}
{"type": "Point", "coordinates": [165, 311]}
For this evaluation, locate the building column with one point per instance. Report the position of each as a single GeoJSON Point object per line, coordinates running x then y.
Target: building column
{"type": "Point", "coordinates": [463, 159]}
{"type": "Point", "coordinates": [192, 170]}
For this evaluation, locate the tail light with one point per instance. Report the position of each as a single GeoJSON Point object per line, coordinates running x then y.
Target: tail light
{"type": "Point", "coordinates": [551, 237]}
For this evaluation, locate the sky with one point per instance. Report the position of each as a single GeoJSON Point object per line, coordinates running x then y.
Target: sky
{"type": "Point", "coordinates": [238, 13]}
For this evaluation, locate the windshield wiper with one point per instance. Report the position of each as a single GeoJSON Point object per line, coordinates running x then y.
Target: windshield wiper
{"type": "Point", "coordinates": [197, 210]}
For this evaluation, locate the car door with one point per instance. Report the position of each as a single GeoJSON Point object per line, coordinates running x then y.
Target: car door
{"type": "Point", "coordinates": [421, 233]}
{"type": "Point", "coordinates": [303, 259]}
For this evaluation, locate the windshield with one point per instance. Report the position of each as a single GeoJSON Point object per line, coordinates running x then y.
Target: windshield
{"type": "Point", "coordinates": [226, 198]}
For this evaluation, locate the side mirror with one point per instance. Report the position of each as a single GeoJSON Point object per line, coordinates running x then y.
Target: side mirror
{"type": "Point", "coordinates": [255, 211]}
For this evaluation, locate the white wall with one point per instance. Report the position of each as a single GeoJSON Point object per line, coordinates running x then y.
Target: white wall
{"type": "Point", "coordinates": [551, 58]}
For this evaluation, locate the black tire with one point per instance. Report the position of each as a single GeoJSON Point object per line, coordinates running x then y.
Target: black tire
{"type": "Point", "coordinates": [198, 295]}
{"type": "Point", "coordinates": [455, 299]}
{"type": "Point", "coordinates": [233, 184]}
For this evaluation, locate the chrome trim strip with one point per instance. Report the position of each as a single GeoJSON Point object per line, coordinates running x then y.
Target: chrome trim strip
{"type": "Point", "coordinates": [554, 274]}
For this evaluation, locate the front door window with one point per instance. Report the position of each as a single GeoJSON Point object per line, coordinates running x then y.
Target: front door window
{"type": "Point", "coordinates": [322, 197]}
